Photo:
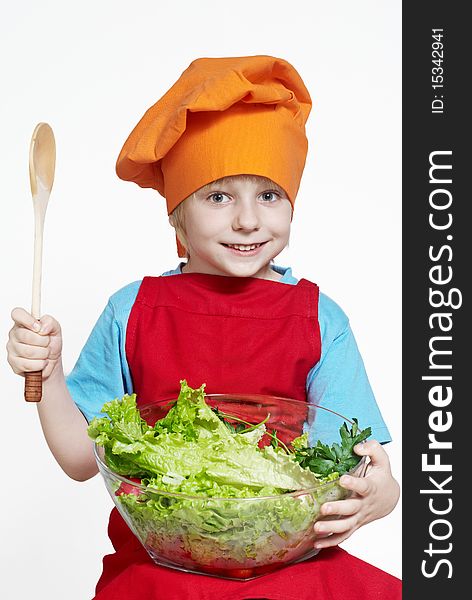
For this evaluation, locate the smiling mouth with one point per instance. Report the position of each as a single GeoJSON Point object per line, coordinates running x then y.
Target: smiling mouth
{"type": "Point", "coordinates": [244, 247]}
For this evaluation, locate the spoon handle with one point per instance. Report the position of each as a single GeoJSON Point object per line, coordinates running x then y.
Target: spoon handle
{"type": "Point", "coordinates": [33, 386]}
{"type": "Point", "coordinates": [33, 379]}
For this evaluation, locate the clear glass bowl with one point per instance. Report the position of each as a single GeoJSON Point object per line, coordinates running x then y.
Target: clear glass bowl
{"type": "Point", "coordinates": [234, 538]}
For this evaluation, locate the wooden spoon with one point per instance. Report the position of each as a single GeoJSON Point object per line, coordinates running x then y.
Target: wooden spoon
{"type": "Point", "coordinates": [42, 163]}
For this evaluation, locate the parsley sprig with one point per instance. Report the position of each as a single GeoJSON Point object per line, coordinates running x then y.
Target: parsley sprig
{"type": "Point", "coordinates": [339, 458]}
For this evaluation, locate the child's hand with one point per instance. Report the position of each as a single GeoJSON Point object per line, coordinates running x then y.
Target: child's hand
{"type": "Point", "coordinates": [34, 345]}
{"type": "Point", "coordinates": [374, 496]}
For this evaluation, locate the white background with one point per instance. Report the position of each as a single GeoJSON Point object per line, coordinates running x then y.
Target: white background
{"type": "Point", "coordinates": [91, 70]}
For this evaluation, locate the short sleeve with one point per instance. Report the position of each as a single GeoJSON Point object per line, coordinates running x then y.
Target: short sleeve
{"type": "Point", "coordinates": [339, 381]}
{"type": "Point", "coordinates": [101, 373]}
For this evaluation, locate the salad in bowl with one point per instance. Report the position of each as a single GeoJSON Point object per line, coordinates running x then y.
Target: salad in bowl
{"type": "Point", "coordinates": [222, 484]}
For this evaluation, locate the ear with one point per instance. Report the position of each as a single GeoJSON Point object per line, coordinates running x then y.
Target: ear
{"type": "Point", "coordinates": [171, 221]}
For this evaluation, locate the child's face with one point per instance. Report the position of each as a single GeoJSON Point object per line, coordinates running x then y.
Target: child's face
{"type": "Point", "coordinates": [253, 214]}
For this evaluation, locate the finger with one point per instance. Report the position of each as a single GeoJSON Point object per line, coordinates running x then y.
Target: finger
{"type": "Point", "coordinates": [359, 485]}
{"type": "Point", "coordinates": [23, 318]}
{"type": "Point", "coordinates": [25, 336]}
{"type": "Point", "coordinates": [24, 365]}
{"type": "Point", "coordinates": [332, 540]}
{"type": "Point", "coordinates": [20, 350]}
{"type": "Point", "coordinates": [341, 507]}
{"type": "Point", "coordinates": [334, 526]}
{"type": "Point", "coordinates": [49, 325]}
{"type": "Point", "coordinates": [375, 451]}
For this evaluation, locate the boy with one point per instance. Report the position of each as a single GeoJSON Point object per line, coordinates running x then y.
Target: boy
{"type": "Point", "coordinates": [226, 147]}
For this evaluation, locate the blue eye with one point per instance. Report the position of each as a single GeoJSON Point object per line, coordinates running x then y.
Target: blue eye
{"type": "Point", "coordinates": [269, 196]}
{"type": "Point", "coordinates": [217, 198]}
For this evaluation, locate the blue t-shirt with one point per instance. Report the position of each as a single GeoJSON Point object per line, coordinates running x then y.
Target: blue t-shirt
{"type": "Point", "coordinates": [338, 381]}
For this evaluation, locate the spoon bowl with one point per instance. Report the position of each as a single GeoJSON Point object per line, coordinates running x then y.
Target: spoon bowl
{"type": "Point", "coordinates": [42, 158]}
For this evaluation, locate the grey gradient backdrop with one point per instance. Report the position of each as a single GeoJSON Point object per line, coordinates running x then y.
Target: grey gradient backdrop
{"type": "Point", "coordinates": [91, 70]}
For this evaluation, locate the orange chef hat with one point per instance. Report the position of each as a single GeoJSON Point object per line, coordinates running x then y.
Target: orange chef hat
{"type": "Point", "coordinates": [223, 116]}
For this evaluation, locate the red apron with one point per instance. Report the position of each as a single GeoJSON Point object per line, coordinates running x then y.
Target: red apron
{"type": "Point", "coordinates": [237, 335]}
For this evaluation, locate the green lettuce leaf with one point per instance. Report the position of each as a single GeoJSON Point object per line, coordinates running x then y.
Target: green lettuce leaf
{"type": "Point", "coordinates": [192, 440]}
{"type": "Point", "coordinates": [223, 478]}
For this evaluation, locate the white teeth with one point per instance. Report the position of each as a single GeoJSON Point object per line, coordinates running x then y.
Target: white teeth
{"type": "Point", "coordinates": [243, 247]}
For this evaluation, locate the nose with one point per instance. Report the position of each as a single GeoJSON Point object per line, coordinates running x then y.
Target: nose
{"type": "Point", "coordinates": [246, 217]}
